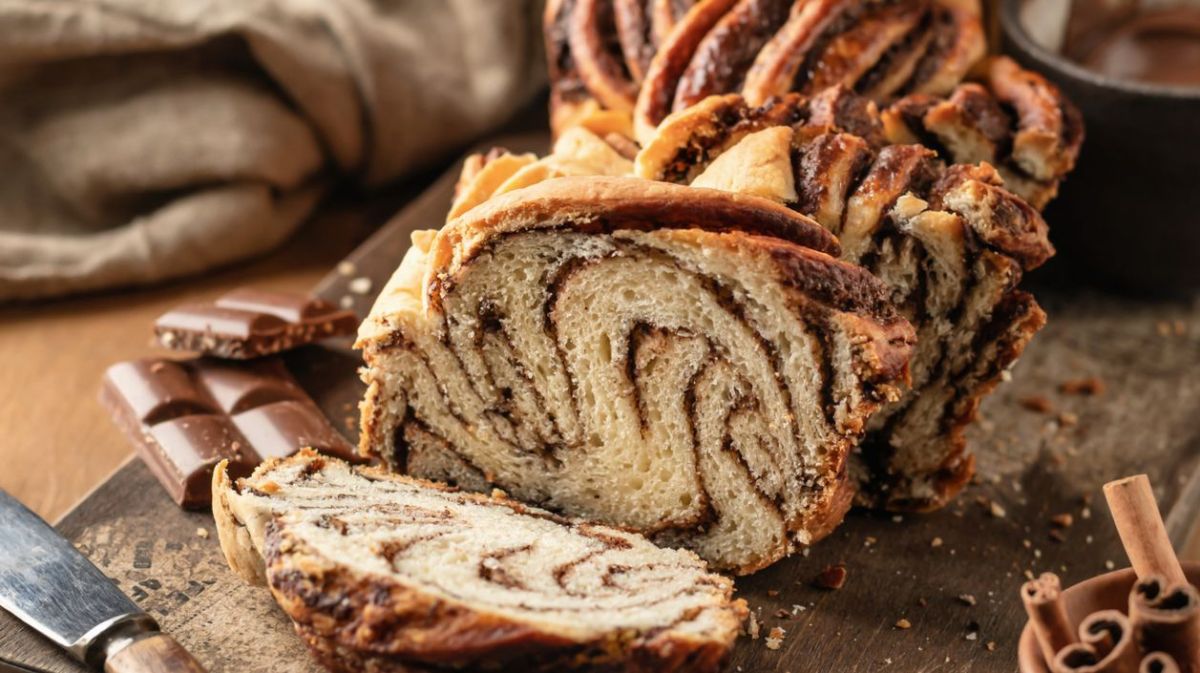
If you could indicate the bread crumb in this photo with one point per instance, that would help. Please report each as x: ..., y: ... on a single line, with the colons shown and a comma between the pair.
x: 991, y: 646
x: 903, y: 624
x: 1110, y: 565
x: 752, y: 627
x: 360, y: 285
x: 1067, y: 419
x: 1093, y: 385
x: 1064, y: 520
x: 1038, y: 403
x: 967, y: 599
x: 346, y: 268
x: 832, y: 577
x: 935, y: 542
x: 202, y: 532
x: 346, y: 301
x: 775, y: 638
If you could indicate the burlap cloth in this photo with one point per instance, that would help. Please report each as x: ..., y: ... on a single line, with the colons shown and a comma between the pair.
x: 147, y: 139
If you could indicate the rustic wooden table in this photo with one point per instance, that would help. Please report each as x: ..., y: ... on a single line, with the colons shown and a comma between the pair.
x: 952, y: 575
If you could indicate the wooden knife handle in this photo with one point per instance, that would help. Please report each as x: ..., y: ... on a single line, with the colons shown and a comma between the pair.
x: 158, y: 653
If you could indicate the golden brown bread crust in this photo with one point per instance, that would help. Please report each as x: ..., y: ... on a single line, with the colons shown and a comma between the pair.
x: 607, y: 204
x: 760, y: 48
x: 657, y: 93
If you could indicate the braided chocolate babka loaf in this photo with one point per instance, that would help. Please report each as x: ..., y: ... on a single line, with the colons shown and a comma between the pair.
x: 949, y: 243
x: 614, y: 55
x: 387, y: 573
x: 686, y: 362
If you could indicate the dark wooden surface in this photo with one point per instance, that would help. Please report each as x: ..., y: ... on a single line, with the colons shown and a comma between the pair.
x: 1032, y: 466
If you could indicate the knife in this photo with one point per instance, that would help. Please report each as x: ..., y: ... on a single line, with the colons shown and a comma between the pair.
x: 50, y: 586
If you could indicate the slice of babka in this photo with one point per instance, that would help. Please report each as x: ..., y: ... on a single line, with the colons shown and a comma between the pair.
x: 689, y: 363
x: 381, y: 572
x: 949, y: 243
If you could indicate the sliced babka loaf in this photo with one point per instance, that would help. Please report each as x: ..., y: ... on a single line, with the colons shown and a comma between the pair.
x: 614, y: 55
x: 385, y: 573
x: 686, y: 362
x: 949, y: 243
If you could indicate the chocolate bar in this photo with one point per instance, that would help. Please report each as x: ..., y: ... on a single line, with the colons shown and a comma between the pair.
x: 250, y: 323
x: 184, y: 417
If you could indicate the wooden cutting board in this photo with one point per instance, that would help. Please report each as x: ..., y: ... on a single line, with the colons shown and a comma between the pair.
x: 953, y: 575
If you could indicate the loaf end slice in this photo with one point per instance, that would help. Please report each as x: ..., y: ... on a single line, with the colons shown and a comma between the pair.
x: 382, y: 572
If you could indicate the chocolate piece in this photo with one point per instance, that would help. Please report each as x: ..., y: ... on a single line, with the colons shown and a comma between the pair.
x: 185, y: 416
x: 248, y: 323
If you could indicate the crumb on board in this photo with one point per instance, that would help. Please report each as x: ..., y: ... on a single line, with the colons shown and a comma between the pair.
x: 832, y: 577
x: 1093, y: 385
x: 935, y: 542
x: 903, y: 624
x: 360, y: 285
x: 202, y: 533
x: 1064, y: 520
x: 967, y: 599
x: 775, y: 637
x: 1039, y: 403
x: 346, y: 268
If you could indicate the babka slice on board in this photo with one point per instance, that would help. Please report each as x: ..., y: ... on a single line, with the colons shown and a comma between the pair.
x: 689, y: 363
x: 949, y: 243
x: 387, y: 573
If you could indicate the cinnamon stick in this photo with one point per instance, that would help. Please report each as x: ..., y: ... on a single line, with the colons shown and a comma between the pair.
x: 1167, y: 618
x: 1106, y: 646
x: 1043, y: 603
x: 1158, y: 662
x: 1140, y: 525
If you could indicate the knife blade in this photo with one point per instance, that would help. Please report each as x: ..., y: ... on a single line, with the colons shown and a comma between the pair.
x: 46, y: 583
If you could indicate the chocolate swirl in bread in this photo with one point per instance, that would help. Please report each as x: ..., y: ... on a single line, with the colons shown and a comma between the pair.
x: 613, y: 54
x: 382, y: 572
x: 950, y: 244
x: 686, y: 362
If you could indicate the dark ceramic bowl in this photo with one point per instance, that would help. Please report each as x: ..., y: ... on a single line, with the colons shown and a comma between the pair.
x: 1129, y: 215
x: 1109, y: 591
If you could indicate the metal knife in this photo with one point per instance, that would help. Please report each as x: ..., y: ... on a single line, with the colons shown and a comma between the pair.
x: 50, y: 586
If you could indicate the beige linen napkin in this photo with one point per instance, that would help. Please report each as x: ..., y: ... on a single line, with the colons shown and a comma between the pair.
x: 147, y: 139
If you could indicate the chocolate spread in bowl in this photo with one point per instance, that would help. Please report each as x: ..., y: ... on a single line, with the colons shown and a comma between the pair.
x: 1152, y: 46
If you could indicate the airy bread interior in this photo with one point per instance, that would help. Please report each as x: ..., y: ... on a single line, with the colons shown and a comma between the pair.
x: 587, y: 345
x: 411, y: 557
